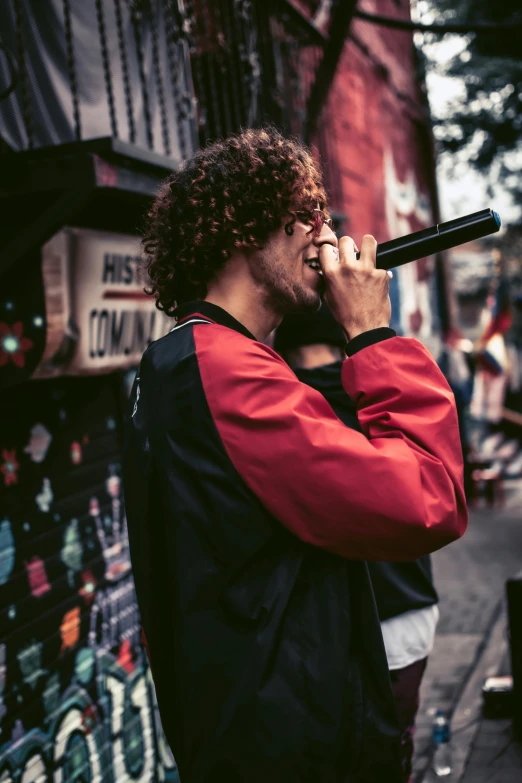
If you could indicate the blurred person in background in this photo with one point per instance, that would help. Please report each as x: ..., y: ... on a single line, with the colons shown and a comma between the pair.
x: 456, y: 364
x: 251, y: 507
x: 313, y: 345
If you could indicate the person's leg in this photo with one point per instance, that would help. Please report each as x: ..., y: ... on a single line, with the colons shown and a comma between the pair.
x: 406, y: 684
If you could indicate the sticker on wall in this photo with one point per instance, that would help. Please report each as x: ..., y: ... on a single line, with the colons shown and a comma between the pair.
x: 7, y: 551
x: 51, y: 694
x: 46, y: 497
x: 88, y: 723
x: 30, y: 663
x: 88, y: 588
x: 76, y: 453
x: 9, y: 467
x: 39, y: 442
x: 113, y: 484
x: 13, y: 344
x: 72, y: 550
x: 84, y: 665
x: 125, y: 657
x: 37, y: 576
x: 3, y: 672
x: 70, y: 629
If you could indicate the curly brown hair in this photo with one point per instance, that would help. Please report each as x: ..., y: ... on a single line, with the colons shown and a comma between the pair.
x: 230, y: 195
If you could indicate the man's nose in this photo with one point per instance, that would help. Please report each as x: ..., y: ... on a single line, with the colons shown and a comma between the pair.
x: 326, y: 237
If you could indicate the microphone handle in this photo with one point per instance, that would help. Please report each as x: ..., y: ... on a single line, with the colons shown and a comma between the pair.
x: 436, y: 238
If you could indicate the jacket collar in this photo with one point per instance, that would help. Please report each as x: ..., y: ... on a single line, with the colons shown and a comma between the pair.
x: 213, y: 313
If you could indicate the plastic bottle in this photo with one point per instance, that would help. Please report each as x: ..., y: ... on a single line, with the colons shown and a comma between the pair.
x: 441, y: 741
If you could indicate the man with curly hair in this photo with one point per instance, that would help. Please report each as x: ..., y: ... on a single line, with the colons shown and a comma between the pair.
x: 251, y: 507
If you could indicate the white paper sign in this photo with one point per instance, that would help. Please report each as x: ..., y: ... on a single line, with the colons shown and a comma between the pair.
x: 99, y: 303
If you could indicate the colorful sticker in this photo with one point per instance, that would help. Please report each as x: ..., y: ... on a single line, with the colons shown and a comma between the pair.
x: 37, y: 576
x: 39, y: 443
x: 3, y: 672
x: 51, y: 694
x: 30, y: 663
x: 70, y: 629
x: 46, y: 497
x: 7, y: 551
x: 13, y: 344
x: 76, y: 453
x: 125, y: 657
x: 88, y: 723
x: 9, y: 469
x: 72, y: 550
x: 113, y: 486
x: 88, y: 589
x: 84, y: 665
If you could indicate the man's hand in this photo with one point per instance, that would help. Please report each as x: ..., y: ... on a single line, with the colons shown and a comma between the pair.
x: 356, y: 292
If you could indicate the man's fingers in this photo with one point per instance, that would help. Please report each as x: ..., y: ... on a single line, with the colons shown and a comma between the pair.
x: 348, y: 256
x: 368, y: 255
x: 348, y: 249
x: 328, y: 258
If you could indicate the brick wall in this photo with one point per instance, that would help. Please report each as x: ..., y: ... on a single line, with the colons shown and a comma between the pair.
x: 381, y: 140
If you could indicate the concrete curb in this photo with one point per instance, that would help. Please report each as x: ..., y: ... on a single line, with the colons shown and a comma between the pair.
x: 468, y: 710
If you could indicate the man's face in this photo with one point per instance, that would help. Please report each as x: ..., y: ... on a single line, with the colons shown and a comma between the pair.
x: 282, y: 267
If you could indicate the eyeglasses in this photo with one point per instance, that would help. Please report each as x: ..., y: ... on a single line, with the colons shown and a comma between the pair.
x: 316, y: 218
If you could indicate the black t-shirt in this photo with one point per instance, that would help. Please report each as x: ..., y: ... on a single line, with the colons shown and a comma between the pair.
x: 398, y: 587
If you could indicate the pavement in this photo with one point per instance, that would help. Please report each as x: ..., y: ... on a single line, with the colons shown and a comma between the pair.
x: 471, y: 644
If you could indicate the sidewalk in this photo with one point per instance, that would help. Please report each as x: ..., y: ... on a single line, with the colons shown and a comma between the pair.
x: 471, y: 644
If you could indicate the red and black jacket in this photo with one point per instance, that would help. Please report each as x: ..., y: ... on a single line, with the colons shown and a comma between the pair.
x: 251, y: 509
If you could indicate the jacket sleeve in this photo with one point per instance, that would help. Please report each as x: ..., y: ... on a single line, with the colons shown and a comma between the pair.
x: 394, y: 493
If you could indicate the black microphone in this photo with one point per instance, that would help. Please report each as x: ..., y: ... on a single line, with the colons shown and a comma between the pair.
x: 432, y: 240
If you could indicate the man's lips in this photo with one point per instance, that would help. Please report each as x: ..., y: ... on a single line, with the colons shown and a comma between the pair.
x: 313, y: 263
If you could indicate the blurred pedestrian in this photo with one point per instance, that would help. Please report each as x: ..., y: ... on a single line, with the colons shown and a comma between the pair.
x: 251, y: 508
x: 456, y: 364
x: 313, y: 345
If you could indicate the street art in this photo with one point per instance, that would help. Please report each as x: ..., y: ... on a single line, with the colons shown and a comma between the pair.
x: 39, y: 443
x: 104, y: 733
x: 77, y: 699
x: 45, y: 497
x: 13, y: 344
x: 37, y: 576
x: 7, y: 551
x: 10, y: 466
x: 408, y: 209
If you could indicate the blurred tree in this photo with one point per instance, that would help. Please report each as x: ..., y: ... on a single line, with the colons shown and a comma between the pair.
x: 485, y: 126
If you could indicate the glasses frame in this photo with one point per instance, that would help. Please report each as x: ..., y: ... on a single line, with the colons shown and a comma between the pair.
x: 316, y: 218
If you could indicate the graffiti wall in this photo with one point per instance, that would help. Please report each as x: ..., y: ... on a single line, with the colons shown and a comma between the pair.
x: 77, y: 700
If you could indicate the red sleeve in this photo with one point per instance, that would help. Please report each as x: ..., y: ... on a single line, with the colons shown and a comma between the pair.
x: 395, y: 493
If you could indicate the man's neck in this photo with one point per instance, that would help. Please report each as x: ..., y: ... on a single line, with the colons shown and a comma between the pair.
x: 257, y: 320
x: 236, y: 292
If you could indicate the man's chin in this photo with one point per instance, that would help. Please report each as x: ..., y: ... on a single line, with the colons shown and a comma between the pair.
x: 309, y: 301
